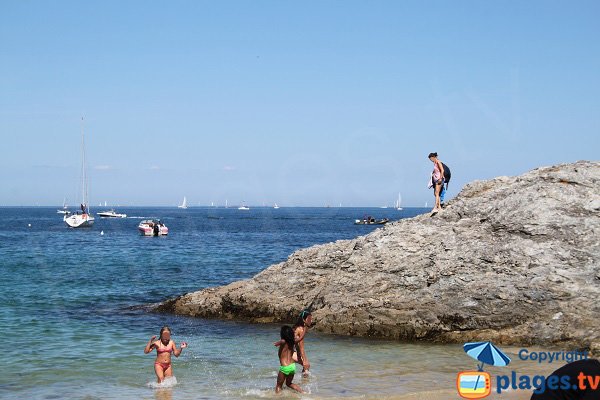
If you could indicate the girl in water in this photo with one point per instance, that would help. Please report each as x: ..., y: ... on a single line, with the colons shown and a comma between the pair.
x: 301, y: 327
x: 287, y: 360
x: 437, y: 178
x: 164, y: 347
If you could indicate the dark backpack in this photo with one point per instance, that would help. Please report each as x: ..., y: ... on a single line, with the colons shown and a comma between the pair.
x: 447, y: 174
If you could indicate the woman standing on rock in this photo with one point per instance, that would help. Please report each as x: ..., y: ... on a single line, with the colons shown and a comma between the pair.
x: 437, y: 179
x: 164, y: 347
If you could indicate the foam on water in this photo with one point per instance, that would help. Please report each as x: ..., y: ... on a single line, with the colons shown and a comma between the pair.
x: 168, y: 382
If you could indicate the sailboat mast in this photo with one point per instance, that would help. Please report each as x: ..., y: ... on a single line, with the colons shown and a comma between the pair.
x: 83, y: 177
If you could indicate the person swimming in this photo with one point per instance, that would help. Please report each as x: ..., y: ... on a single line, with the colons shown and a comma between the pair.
x: 287, y: 360
x: 164, y: 346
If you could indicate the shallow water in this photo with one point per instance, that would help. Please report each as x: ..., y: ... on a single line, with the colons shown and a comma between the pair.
x: 71, y: 305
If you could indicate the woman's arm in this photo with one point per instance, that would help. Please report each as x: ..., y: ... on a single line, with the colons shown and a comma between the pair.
x: 303, y: 357
x: 176, y: 351
x: 441, y: 167
x: 150, y: 345
x: 299, y: 334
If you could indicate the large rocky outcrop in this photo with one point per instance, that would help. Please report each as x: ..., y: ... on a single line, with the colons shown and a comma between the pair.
x: 513, y: 259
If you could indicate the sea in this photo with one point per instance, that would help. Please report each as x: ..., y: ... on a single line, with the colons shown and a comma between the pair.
x: 75, y: 315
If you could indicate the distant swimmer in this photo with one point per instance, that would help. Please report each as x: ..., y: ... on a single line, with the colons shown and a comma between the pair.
x: 164, y: 347
x: 287, y: 360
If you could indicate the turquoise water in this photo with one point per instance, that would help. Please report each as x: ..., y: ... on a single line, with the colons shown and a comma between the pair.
x: 72, y: 308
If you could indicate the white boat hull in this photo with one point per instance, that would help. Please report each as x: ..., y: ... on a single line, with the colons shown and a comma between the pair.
x: 150, y: 232
x: 111, y: 214
x: 148, y: 229
x: 79, y: 220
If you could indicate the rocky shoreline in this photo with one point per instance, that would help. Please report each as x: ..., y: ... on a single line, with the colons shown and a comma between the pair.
x: 515, y: 260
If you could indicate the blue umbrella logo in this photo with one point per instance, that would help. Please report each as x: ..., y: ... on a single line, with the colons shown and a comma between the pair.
x: 487, y: 353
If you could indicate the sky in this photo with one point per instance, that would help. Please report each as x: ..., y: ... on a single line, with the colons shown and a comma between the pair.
x: 306, y: 103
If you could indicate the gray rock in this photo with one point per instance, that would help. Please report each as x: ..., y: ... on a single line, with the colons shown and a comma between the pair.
x: 513, y: 259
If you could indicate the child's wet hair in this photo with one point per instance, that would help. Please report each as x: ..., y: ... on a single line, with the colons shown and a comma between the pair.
x: 287, y: 334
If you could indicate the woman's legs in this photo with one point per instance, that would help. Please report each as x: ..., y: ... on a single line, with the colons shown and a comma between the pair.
x: 160, y: 373
x: 438, y: 189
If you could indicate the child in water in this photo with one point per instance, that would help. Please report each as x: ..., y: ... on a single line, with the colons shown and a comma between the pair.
x: 287, y: 361
x: 164, y: 347
x: 300, y: 328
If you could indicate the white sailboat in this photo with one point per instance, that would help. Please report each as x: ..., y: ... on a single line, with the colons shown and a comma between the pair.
x: 65, y: 208
x: 184, y: 204
x: 276, y: 206
x: 83, y: 218
x: 243, y: 207
x: 398, y: 202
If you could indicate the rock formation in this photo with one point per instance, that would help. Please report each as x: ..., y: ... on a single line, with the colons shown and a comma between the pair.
x: 515, y: 260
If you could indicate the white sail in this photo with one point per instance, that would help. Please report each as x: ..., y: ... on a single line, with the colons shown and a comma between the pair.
x: 398, y: 202
x: 183, y: 204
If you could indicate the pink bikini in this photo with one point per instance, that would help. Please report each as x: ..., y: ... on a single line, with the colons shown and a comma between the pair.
x: 167, y: 349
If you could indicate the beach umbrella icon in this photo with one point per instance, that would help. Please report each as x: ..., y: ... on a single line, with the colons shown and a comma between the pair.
x: 486, y: 353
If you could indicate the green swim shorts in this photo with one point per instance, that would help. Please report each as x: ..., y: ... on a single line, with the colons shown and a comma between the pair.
x: 288, y: 369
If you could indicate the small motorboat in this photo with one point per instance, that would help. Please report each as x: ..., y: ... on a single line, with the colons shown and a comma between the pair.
x: 153, y: 227
x: 111, y: 214
x: 368, y: 220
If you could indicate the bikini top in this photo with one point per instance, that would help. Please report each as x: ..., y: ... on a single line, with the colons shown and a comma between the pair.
x: 166, y: 349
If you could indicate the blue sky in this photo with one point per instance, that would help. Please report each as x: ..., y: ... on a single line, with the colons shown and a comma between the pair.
x: 299, y: 103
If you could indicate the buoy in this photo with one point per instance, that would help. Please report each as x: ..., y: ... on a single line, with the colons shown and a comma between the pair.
x: 29, y: 225
x: 101, y: 232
